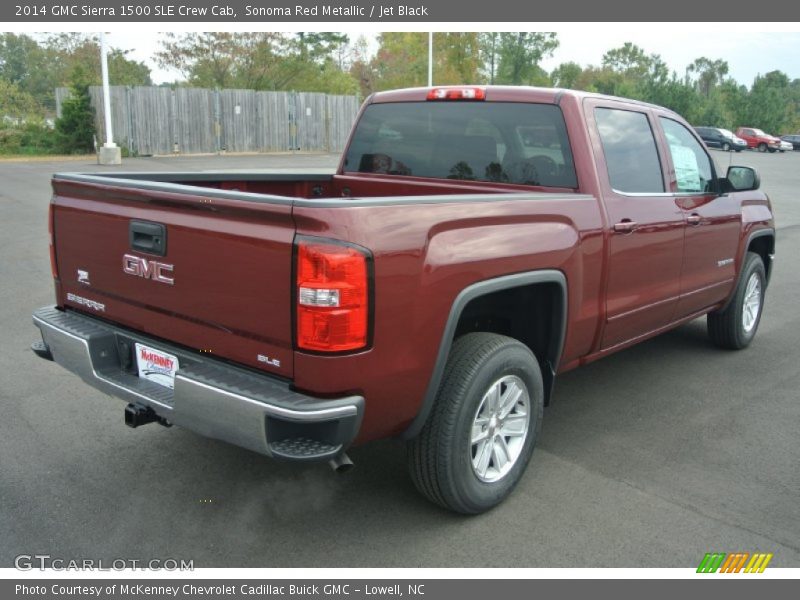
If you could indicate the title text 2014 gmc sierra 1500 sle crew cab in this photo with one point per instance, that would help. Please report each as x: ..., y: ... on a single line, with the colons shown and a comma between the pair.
x: 474, y: 242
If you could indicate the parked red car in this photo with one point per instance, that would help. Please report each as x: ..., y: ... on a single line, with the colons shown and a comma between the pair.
x: 758, y: 140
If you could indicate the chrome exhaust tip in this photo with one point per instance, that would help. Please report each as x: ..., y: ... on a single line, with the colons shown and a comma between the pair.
x: 341, y: 463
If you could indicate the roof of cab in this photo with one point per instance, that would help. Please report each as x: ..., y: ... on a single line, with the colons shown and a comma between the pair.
x: 503, y: 93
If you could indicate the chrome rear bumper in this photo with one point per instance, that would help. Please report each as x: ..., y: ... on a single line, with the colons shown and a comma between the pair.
x: 211, y: 397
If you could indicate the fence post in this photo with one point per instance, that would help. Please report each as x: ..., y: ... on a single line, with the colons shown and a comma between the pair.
x: 130, y: 141
x: 173, y: 122
x: 292, y: 106
x: 217, y: 117
x: 327, y: 123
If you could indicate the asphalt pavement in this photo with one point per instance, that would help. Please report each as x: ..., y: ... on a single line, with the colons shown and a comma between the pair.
x: 648, y: 458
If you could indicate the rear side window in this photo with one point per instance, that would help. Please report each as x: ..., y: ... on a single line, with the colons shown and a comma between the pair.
x: 630, y: 151
x: 502, y: 142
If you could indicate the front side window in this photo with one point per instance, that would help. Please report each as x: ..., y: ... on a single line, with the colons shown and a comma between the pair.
x: 502, y: 142
x: 693, y: 170
x: 630, y: 151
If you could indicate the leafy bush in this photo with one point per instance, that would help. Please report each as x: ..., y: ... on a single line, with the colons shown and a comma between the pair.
x: 27, y: 138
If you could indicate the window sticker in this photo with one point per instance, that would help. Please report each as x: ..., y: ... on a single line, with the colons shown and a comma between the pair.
x: 687, y: 170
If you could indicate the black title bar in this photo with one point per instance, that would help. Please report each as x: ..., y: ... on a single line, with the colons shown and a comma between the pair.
x: 413, y: 11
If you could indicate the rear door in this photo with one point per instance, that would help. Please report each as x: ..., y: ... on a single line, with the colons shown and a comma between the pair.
x: 644, y: 225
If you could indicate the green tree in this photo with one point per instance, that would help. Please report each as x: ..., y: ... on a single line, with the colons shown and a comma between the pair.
x: 19, y: 56
x: 320, y: 46
x: 75, y: 128
x: 16, y: 103
x: 457, y: 58
x: 600, y: 80
x: 38, y: 67
x: 32, y: 67
x: 259, y: 60
x: 401, y: 60
x: 519, y: 55
x: 205, y: 59
x: 768, y: 104
x: 566, y: 75
x: 629, y: 60
x: 77, y: 49
x: 710, y: 73
x: 793, y: 107
x: 361, y: 67
x: 489, y: 44
x: 314, y: 62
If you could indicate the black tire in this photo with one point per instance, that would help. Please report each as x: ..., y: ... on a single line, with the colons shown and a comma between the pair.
x: 762, y: 147
x: 738, y: 149
x: 441, y: 457
x: 726, y: 146
x: 726, y: 328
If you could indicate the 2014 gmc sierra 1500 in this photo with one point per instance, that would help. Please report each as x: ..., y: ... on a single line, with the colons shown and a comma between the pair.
x: 474, y: 242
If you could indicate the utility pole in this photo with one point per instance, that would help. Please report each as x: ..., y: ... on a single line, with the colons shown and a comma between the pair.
x: 110, y: 154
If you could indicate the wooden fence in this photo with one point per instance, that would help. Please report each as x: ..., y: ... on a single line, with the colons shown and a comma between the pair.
x: 157, y: 120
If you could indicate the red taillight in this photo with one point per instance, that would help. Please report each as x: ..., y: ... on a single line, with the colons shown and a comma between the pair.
x: 50, y: 229
x: 332, y: 297
x: 457, y: 93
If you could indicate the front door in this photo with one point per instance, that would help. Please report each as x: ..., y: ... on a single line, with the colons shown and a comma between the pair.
x: 713, y: 222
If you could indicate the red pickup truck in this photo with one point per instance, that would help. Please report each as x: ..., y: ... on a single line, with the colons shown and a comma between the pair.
x: 758, y: 140
x: 474, y: 242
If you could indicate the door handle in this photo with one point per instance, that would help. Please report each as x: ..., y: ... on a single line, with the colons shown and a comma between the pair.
x: 694, y: 219
x: 147, y: 237
x: 625, y: 226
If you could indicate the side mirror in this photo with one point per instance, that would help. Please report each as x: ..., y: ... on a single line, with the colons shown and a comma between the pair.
x: 742, y: 179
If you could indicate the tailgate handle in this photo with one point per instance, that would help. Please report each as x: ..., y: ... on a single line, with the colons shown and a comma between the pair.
x: 150, y: 238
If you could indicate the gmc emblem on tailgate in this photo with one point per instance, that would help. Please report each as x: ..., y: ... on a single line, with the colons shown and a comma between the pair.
x: 149, y: 269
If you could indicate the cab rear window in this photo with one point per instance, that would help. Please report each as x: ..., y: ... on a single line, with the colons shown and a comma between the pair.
x: 501, y: 142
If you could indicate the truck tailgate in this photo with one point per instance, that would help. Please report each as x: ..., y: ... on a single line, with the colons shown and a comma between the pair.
x: 221, y: 284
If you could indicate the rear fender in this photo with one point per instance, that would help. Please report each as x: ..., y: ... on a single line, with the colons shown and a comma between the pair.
x: 476, y: 290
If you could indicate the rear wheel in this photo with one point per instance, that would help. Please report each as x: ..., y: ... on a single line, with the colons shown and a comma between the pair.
x: 479, y: 438
x: 735, y: 327
x: 762, y: 147
x: 726, y: 146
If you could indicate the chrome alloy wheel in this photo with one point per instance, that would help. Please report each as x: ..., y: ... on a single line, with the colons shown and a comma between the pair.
x: 500, y: 428
x: 752, y: 303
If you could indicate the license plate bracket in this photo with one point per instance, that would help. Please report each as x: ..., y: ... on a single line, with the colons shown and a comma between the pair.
x: 156, y: 365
